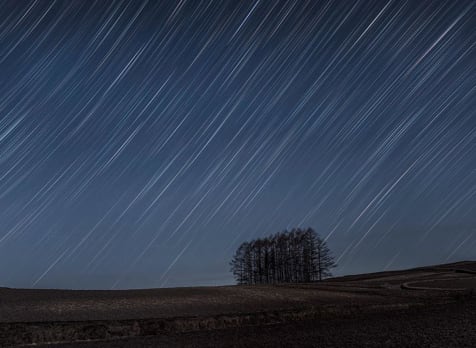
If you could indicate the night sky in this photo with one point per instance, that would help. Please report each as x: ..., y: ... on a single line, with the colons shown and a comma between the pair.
x: 142, y: 141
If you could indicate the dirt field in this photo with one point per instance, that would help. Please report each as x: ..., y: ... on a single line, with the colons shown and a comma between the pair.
x: 447, y: 326
x: 424, y: 307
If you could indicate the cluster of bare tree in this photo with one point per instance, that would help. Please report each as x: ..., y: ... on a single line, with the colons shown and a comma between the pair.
x: 299, y: 255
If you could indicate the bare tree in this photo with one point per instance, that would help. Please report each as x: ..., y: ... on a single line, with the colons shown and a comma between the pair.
x: 238, y: 265
x: 299, y: 255
x: 324, y: 259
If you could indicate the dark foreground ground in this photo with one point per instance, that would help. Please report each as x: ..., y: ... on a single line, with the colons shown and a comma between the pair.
x: 425, y: 307
x: 440, y: 327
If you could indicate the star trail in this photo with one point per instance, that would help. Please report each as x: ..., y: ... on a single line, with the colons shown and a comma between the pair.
x: 142, y: 141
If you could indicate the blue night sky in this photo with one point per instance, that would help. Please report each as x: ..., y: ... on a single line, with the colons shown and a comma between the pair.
x: 142, y: 141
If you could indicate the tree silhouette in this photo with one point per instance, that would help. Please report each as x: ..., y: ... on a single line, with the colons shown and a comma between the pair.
x: 290, y: 256
x: 323, y: 259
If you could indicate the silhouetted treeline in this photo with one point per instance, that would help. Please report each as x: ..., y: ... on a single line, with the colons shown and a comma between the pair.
x: 299, y: 255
